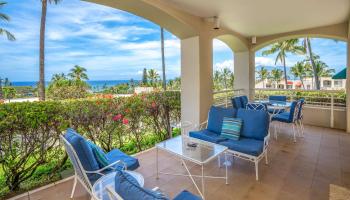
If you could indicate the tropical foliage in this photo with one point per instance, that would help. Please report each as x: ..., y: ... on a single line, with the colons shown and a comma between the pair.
x: 29, y: 132
x: 5, y: 18
x: 71, y: 87
x: 223, y: 79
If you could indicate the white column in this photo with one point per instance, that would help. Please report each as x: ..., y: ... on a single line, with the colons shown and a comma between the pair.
x: 196, y: 78
x: 244, y: 70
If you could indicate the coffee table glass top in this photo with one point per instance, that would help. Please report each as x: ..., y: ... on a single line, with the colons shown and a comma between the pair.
x: 192, y: 149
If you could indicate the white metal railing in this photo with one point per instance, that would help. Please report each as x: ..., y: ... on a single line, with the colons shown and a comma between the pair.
x: 331, y: 101
x: 223, y: 97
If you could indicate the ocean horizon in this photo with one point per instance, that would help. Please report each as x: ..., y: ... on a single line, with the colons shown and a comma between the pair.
x: 95, y: 84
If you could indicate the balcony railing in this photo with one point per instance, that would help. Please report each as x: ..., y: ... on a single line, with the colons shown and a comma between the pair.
x: 223, y: 97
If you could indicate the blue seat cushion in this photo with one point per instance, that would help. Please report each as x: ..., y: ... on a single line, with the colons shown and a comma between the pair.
x: 245, y: 145
x: 282, y: 117
x: 186, y: 195
x: 132, y: 163
x: 215, y: 117
x: 129, y: 189
x: 207, y: 135
x: 255, y: 123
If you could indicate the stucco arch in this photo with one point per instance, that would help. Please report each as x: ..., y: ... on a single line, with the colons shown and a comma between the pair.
x: 337, y: 31
x: 179, y: 23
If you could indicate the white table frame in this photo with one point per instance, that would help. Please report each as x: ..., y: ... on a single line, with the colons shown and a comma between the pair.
x: 191, y: 176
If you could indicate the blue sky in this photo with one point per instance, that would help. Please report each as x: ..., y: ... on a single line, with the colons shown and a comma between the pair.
x: 111, y: 44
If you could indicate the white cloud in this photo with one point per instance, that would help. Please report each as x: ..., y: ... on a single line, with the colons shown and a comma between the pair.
x: 264, y: 61
x: 225, y: 64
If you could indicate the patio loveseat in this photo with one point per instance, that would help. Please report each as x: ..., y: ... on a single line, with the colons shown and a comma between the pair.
x: 254, y: 134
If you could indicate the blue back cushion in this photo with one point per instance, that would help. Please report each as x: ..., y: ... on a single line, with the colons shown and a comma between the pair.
x: 129, y: 189
x: 83, y: 150
x: 216, y: 116
x: 255, y: 123
x: 236, y: 102
x: 244, y: 101
x: 292, y: 110
x: 277, y: 98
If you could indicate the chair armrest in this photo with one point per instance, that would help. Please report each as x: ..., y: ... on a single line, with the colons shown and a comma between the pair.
x: 112, y: 194
x: 201, y: 126
x: 110, y: 166
x: 156, y: 189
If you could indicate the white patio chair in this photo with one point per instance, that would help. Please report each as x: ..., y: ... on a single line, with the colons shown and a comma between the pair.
x: 81, y: 174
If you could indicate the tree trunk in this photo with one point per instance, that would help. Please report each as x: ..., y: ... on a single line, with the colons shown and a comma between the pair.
x: 163, y: 57
x: 1, y: 95
x: 285, y: 73
x: 309, y: 49
x: 42, y: 51
x: 302, y: 82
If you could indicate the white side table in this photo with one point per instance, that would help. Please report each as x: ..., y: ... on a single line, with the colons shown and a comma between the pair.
x: 99, y: 188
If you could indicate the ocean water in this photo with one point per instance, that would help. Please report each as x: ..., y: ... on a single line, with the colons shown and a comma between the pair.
x: 95, y: 85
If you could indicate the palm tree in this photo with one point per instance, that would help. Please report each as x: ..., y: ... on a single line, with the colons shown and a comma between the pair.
x: 42, y: 47
x: 276, y: 76
x: 311, y: 57
x: 217, y: 80
x: 226, y: 75
x: 5, y: 18
x: 153, y: 76
x: 58, y: 77
x: 282, y: 48
x: 263, y: 74
x: 163, y: 56
x: 322, y: 69
x: 78, y: 73
x: 300, y: 70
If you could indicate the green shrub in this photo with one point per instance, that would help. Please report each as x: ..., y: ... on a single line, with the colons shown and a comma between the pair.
x: 30, y: 153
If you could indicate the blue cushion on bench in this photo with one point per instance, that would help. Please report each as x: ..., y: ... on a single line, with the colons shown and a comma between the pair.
x: 207, y: 135
x: 132, y: 163
x: 216, y: 115
x: 236, y: 102
x: 129, y: 189
x: 245, y: 145
x: 186, y: 195
x: 244, y: 101
x: 255, y: 123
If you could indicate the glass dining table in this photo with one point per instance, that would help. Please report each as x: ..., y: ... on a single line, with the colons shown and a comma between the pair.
x: 275, y: 107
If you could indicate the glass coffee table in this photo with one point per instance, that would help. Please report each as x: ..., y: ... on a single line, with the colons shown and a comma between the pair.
x: 194, y: 150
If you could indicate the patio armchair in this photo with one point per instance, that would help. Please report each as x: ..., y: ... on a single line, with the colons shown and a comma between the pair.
x: 127, y: 188
x: 211, y: 129
x: 290, y: 117
x: 254, y: 138
x: 87, y: 168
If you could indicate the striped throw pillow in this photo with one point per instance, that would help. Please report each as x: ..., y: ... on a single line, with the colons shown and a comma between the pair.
x: 231, y: 128
x: 99, y: 155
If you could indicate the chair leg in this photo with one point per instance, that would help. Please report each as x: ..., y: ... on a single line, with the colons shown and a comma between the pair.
x: 266, y: 160
x: 219, y: 163
x: 301, y: 127
x: 74, y: 185
x: 256, y: 170
x: 294, y: 135
x: 275, y: 126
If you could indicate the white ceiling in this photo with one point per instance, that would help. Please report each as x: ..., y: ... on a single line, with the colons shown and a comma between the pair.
x: 266, y: 17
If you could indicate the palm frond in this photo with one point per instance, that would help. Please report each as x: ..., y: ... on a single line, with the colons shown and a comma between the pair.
x: 9, y: 35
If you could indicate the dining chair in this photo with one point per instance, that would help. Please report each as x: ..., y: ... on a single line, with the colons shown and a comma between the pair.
x: 290, y: 117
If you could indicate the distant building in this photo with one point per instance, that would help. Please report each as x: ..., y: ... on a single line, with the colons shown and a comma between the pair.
x: 327, y: 83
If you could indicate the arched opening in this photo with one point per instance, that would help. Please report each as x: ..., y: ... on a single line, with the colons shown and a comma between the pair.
x: 309, y: 68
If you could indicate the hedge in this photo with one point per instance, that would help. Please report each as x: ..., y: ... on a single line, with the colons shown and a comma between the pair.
x: 30, y: 150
